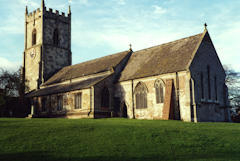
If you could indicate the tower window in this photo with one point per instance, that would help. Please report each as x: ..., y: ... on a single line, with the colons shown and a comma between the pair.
x: 55, y: 37
x: 141, y: 95
x: 34, y: 37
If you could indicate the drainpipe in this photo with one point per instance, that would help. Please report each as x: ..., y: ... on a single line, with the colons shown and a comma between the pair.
x: 133, y: 102
x: 91, y: 100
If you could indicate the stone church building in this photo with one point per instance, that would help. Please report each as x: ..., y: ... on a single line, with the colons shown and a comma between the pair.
x: 182, y: 80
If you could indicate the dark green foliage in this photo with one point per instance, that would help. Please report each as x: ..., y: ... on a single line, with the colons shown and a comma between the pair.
x: 12, y: 102
x: 116, y: 139
x: 10, y: 82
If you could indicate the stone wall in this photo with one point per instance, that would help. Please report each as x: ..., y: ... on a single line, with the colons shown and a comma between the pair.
x: 33, y: 21
x: 125, y: 91
x: 44, y: 59
x: 109, y: 83
x: 68, y: 110
x: 100, y: 112
x: 185, y: 96
x: 56, y: 56
x: 211, y: 108
x: 54, y: 59
x: 32, y: 66
x: 32, y: 53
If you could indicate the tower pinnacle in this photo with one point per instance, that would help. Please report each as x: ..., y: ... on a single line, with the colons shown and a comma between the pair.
x: 26, y: 12
x: 43, y: 5
x: 69, y: 9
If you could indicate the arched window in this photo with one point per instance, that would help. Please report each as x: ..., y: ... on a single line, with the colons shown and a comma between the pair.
x: 159, y: 88
x: 202, y: 86
x: 60, y: 103
x: 209, y: 82
x: 34, y: 37
x: 105, y: 98
x: 141, y: 95
x: 55, y: 37
x: 215, y: 87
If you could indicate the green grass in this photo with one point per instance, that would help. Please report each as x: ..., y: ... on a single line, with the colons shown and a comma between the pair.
x: 117, y: 139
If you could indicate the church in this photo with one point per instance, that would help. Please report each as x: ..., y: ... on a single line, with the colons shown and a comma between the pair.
x: 180, y: 80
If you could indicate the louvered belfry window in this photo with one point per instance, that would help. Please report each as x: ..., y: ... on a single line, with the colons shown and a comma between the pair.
x: 34, y: 37
x: 56, y: 37
x: 141, y: 95
x: 159, y: 88
x: 105, y: 98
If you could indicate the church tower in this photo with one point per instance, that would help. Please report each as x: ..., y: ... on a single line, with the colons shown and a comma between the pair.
x: 47, y: 45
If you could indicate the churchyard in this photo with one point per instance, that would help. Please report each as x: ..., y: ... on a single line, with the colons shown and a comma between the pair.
x: 117, y: 139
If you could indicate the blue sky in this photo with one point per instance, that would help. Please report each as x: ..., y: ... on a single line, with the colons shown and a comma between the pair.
x: 102, y: 27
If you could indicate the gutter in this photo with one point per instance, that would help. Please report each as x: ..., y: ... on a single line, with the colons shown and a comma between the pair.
x: 178, y: 94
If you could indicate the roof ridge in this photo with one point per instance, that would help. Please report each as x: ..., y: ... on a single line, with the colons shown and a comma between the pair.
x: 167, y: 43
x: 97, y: 58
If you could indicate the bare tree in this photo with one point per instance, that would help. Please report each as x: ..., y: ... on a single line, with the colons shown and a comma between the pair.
x: 233, y: 83
x: 10, y: 82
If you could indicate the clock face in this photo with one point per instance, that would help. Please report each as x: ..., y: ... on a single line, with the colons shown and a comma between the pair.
x: 33, y: 53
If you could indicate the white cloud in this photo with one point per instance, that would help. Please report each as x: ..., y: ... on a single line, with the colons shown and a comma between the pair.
x: 84, y: 2
x: 8, y: 65
x: 121, y: 2
x: 29, y: 3
x: 159, y: 10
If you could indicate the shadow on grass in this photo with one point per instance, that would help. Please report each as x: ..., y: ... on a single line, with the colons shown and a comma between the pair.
x: 48, y: 156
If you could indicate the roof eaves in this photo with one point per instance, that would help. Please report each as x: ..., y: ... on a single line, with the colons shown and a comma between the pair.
x: 151, y: 75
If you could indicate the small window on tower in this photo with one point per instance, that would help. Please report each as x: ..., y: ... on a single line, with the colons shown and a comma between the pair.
x: 34, y: 37
x: 55, y: 37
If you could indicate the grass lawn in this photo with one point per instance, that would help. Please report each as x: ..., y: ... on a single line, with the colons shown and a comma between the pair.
x: 117, y: 139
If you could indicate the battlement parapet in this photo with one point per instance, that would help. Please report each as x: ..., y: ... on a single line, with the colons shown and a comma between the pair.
x: 36, y: 12
x: 51, y: 11
x: 48, y: 12
x: 33, y: 15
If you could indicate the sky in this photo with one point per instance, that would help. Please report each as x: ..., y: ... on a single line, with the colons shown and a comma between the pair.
x: 103, y: 27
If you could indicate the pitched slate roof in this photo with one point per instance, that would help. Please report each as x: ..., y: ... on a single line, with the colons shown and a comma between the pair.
x: 166, y: 58
x: 86, y: 68
x: 62, y: 88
